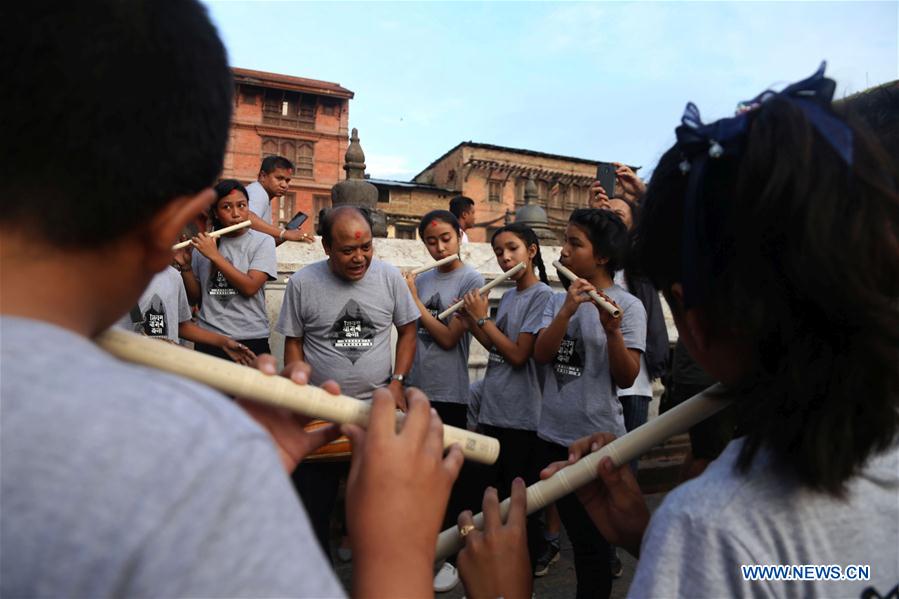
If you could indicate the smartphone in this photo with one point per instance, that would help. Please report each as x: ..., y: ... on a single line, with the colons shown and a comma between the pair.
x: 297, y: 221
x: 605, y: 174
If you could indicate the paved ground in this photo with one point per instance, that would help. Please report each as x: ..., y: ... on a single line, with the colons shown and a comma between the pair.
x: 560, y: 583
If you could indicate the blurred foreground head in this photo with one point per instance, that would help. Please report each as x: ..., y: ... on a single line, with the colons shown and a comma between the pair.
x: 111, y: 109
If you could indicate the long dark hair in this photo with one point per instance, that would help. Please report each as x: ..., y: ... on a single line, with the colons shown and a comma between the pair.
x: 804, y: 271
x: 527, y: 235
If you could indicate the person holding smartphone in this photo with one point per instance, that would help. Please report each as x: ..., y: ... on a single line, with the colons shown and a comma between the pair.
x: 273, y: 180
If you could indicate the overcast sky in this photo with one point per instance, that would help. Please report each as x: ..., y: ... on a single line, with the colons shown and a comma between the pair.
x: 604, y: 80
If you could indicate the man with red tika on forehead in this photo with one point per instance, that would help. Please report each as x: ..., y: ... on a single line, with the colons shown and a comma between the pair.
x: 336, y: 316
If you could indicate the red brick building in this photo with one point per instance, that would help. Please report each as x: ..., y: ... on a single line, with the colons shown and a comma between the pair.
x: 304, y: 120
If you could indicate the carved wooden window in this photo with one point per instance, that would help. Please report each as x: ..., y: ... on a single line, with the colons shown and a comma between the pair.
x: 288, y: 109
x: 304, y: 162
x: 495, y: 191
x: 404, y: 231
x: 330, y: 106
x: 301, y: 153
x: 248, y: 95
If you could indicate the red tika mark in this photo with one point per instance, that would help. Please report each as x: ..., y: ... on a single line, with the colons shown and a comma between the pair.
x: 358, y: 234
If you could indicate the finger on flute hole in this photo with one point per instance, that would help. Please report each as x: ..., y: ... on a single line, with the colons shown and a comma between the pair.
x: 331, y: 387
x: 265, y: 363
x: 300, y: 377
x: 607, y: 465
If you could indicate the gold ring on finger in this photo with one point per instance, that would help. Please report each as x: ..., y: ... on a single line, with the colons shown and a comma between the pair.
x: 464, y: 530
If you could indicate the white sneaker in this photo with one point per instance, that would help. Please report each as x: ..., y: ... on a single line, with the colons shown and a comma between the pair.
x: 447, y: 578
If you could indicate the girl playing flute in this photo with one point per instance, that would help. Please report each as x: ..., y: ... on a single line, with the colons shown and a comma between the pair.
x: 510, y: 404
x: 227, y: 277
x: 440, y: 368
x: 588, y: 354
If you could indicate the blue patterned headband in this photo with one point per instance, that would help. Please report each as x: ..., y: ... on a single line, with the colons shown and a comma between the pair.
x: 699, y: 143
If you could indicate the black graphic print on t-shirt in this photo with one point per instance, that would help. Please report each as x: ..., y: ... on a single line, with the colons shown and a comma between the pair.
x: 154, y: 322
x: 353, y: 333
x: 434, y: 307
x: 495, y: 357
x: 569, y: 361
x: 219, y: 286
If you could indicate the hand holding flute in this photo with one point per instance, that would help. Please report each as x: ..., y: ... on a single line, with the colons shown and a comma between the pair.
x: 215, y: 234
x: 486, y: 288
x: 621, y: 451
x: 600, y: 301
x: 248, y: 383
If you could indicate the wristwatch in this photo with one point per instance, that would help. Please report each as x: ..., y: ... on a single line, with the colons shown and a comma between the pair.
x: 481, y: 321
x: 398, y: 377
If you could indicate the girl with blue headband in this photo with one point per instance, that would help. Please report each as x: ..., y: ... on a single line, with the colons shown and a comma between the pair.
x: 773, y: 236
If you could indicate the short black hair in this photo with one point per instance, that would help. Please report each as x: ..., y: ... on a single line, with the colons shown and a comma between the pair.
x: 460, y: 204
x: 804, y: 273
x: 443, y: 216
x: 97, y: 91
x: 327, y: 216
x: 222, y: 189
x: 607, y: 234
x: 270, y: 163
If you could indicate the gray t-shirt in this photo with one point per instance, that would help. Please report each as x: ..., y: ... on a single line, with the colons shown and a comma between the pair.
x: 443, y: 374
x: 511, y: 396
x: 119, y: 480
x: 706, y: 529
x: 346, y: 325
x: 222, y: 308
x: 259, y: 202
x: 579, y: 396
x: 162, y: 306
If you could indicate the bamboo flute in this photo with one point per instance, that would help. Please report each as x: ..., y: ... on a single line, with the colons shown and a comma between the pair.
x: 509, y: 273
x: 216, y: 233
x: 433, y: 265
x: 621, y: 451
x: 252, y: 384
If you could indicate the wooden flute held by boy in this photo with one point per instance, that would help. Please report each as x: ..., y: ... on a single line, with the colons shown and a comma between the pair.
x: 216, y: 233
x: 621, y: 451
x: 249, y: 383
x: 486, y: 288
x: 433, y: 265
x: 600, y: 300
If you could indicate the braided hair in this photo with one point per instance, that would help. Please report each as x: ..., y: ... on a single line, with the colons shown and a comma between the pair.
x: 527, y: 235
